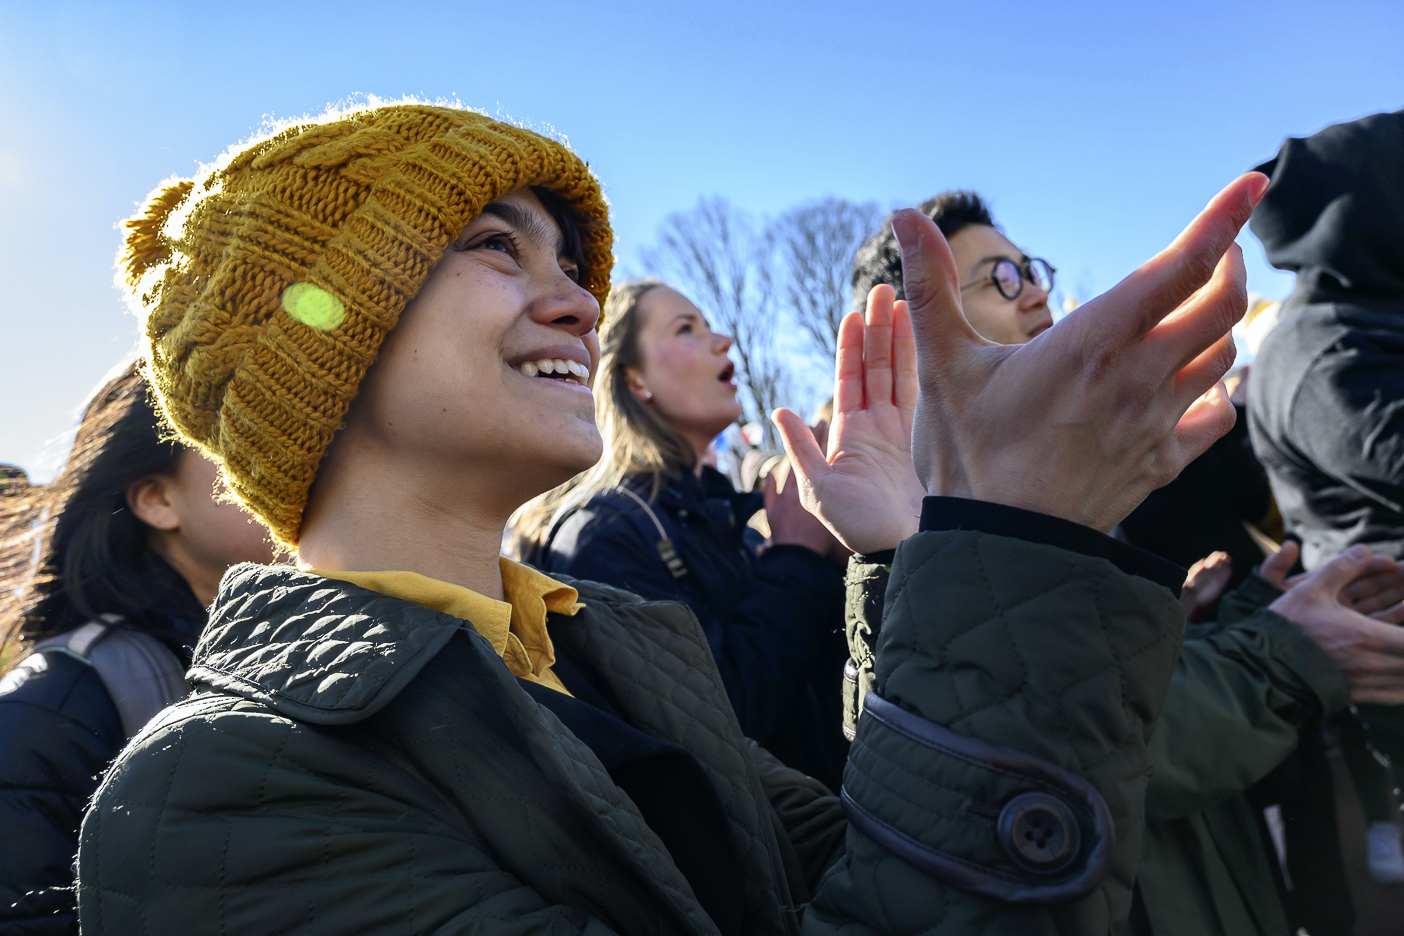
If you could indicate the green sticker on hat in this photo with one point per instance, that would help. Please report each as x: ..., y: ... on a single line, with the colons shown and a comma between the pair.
x: 313, y: 306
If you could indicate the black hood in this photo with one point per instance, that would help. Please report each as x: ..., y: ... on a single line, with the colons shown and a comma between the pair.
x: 1334, y: 213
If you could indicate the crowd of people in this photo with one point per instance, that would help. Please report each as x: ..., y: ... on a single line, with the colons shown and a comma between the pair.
x: 394, y: 587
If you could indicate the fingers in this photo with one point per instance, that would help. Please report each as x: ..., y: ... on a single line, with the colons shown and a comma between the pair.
x: 1276, y: 566
x: 931, y: 283
x: 1205, y: 319
x: 1339, y: 572
x: 806, y: 458
x: 1204, y: 423
x: 1394, y: 615
x: 1198, y: 376
x: 877, y: 346
x: 1165, y: 281
x: 904, y: 361
x: 848, y: 363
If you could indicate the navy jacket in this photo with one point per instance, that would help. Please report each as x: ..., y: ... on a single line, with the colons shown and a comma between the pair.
x: 774, y: 623
x: 59, y: 729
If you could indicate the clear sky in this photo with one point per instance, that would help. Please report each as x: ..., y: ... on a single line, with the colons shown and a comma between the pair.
x: 1096, y: 129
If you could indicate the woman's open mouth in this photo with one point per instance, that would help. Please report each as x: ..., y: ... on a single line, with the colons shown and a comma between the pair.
x: 728, y: 372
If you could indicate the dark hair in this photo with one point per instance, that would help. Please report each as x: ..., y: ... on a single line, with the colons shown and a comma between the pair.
x: 571, y: 223
x: 72, y: 550
x: 879, y: 260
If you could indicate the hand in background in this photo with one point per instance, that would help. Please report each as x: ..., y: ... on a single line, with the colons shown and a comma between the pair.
x: 1204, y: 585
x: 864, y: 487
x: 790, y: 523
x: 1376, y: 590
x: 1089, y: 417
x: 1369, y: 653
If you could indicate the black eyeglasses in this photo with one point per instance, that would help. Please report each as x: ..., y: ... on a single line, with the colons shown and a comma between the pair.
x: 1009, y: 276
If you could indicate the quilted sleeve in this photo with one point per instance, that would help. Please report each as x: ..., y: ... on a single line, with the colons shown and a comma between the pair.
x: 1001, y: 757
x: 1236, y: 700
x: 235, y: 820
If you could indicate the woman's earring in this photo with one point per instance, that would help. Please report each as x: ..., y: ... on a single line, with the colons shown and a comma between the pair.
x: 648, y: 395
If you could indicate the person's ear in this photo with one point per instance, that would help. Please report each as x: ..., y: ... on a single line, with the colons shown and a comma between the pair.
x: 636, y: 385
x: 150, y: 500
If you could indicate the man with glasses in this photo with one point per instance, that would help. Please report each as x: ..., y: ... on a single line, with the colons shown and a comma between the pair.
x: 1242, y: 687
x: 1003, y: 291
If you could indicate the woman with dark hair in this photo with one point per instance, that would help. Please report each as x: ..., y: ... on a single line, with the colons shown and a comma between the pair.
x: 773, y: 620
x: 129, y: 541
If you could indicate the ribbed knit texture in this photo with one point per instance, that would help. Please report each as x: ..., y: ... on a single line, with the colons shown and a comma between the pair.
x: 359, y: 207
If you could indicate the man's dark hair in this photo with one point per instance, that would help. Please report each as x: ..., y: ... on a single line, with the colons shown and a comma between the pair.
x: 879, y: 260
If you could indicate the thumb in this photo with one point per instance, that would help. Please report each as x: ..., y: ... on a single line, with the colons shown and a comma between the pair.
x: 806, y: 458
x: 1276, y: 566
x: 1340, y: 571
x: 932, y: 287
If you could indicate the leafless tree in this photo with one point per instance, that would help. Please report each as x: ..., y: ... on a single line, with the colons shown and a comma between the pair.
x: 816, y: 244
x: 720, y: 260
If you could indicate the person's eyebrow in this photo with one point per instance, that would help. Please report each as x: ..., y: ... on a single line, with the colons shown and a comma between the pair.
x: 995, y: 258
x: 529, y: 224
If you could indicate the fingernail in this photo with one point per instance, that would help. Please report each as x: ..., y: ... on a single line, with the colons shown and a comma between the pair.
x: 1358, y: 553
x: 904, y: 230
x: 1259, y: 187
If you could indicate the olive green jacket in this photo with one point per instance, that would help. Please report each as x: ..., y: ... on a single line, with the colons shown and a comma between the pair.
x: 352, y: 763
x: 1243, y: 687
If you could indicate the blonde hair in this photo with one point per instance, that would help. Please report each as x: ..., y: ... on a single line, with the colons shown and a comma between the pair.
x: 637, y: 440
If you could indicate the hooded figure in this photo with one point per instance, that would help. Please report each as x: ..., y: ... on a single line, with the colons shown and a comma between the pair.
x: 1326, y: 406
x: 1326, y: 401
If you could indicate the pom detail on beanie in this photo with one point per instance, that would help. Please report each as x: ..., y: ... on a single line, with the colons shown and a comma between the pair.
x: 268, y: 282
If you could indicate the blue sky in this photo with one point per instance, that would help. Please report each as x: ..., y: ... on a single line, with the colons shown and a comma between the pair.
x: 1096, y: 129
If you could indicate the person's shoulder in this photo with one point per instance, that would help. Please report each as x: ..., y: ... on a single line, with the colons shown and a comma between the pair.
x: 46, y: 691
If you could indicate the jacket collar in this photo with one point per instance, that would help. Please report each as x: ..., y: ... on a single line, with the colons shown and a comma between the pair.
x: 312, y: 648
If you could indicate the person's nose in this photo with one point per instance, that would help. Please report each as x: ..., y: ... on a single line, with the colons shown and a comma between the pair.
x: 1032, y: 297
x: 721, y: 343
x: 568, y: 306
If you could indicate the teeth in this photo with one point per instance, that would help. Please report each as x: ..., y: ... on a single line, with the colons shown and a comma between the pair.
x: 575, y: 369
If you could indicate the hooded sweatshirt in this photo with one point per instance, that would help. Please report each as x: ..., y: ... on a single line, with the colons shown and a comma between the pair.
x: 1326, y: 399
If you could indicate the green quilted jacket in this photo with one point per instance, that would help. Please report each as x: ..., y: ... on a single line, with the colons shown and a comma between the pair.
x: 352, y: 763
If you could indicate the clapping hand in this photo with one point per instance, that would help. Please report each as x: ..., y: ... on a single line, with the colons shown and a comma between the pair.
x: 864, y: 487
x: 1081, y: 423
x: 1368, y: 651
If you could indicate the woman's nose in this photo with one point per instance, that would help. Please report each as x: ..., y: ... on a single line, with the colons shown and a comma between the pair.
x: 721, y: 343
x: 572, y: 307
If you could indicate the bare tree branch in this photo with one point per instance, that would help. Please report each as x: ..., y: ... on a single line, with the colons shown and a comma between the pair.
x: 816, y: 244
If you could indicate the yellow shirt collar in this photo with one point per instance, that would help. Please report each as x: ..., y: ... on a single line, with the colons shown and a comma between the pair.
x: 516, y: 628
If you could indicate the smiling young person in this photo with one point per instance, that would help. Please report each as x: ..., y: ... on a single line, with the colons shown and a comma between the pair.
x: 408, y: 734
x: 774, y: 621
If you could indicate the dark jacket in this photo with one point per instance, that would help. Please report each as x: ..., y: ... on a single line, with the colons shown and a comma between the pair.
x: 1242, y: 689
x: 58, y: 731
x: 353, y: 763
x: 774, y: 623
x: 1326, y: 397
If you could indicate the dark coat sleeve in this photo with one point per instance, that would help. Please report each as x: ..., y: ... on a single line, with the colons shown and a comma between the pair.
x: 767, y: 647
x: 58, y: 731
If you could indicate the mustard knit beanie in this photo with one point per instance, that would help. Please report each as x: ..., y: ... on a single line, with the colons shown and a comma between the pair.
x: 268, y: 282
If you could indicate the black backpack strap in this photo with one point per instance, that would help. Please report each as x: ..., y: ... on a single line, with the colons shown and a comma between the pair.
x: 666, y: 551
x: 140, y: 673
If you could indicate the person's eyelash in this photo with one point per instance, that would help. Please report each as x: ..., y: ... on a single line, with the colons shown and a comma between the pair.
x: 486, y: 238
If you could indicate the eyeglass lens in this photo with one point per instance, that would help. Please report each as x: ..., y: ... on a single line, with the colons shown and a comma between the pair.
x: 1009, y: 278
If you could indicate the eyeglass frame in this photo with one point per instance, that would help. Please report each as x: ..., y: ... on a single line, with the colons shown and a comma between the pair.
x: 1025, y: 274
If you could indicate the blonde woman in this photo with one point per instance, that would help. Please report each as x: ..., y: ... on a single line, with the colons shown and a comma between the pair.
x: 652, y: 518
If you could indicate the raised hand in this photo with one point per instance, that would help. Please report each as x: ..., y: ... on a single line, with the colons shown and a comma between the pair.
x: 1204, y: 586
x: 1369, y: 653
x: 864, y: 488
x: 1089, y: 417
